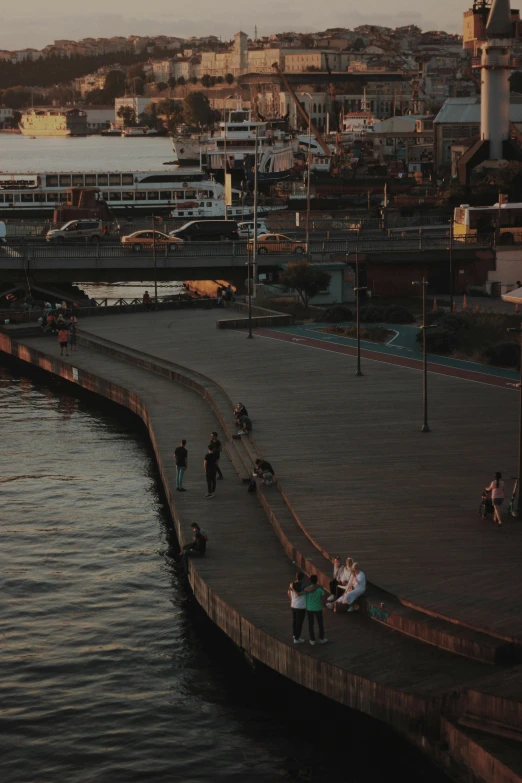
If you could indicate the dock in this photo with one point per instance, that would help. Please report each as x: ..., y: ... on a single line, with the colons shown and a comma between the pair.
x: 435, y: 651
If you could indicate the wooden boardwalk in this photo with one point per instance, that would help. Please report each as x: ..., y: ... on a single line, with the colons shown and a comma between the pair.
x: 363, y: 479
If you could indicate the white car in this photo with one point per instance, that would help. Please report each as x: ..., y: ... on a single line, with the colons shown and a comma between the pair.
x: 246, y: 229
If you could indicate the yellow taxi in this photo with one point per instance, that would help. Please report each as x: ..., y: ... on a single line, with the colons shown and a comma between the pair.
x: 144, y: 240
x: 277, y: 243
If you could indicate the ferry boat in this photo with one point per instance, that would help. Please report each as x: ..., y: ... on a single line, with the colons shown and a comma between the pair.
x: 138, y: 132
x: 356, y: 125
x: 53, y: 122
x: 188, y: 147
x: 181, y: 194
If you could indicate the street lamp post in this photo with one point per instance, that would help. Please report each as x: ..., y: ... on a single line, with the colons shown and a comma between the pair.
x: 251, y: 278
x: 518, y: 330
x: 424, y: 328
x: 155, y: 265
x: 357, y: 289
x: 309, y: 167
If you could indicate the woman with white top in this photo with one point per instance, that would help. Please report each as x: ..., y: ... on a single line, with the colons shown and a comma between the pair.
x: 497, y: 495
x: 356, y: 588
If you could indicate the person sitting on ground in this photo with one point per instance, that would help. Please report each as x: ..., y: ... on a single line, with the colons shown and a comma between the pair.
x: 196, y: 548
x: 356, y: 588
x: 239, y: 411
x: 345, y: 580
x: 245, y: 425
x: 203, y: 532
x: 264, y: 471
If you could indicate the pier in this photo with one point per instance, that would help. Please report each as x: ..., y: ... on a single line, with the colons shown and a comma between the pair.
x: 435, y: 651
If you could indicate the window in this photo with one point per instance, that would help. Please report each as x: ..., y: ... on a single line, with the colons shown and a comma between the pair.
x: 114, y: 179
x: 65, y: 180
x: 153, y: 195
x: 51, y: 180
x: 39, y: 197
x: 127, y: 195
x: 114, y: 196
x: 127, y: 179
x: 90, y: 180
x: 53, y: 197
x: 77, y: 180
x: 103, y: 179
x: 140, y: 195
x: 166, y: 195
x: 1, y: 198
x: 9, y: 198
x: 27, y: 198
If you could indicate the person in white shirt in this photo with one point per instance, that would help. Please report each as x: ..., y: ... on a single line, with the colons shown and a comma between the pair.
x: 356, y: 588
x: 298, y: 604
x: 497, y: 495
x: 336, y: 576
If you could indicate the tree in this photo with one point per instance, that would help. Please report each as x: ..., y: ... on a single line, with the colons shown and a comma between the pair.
x: 205, y: 80
x: 136, y: 71
x: 229, y: 78
x: 306, y: 279
x: 172, y: 82
x: 197, y: 109
x: 114, y: 85
x: 194, y: 79
x: 181, y: 81
x: 162, y: 86
x: 127, y: 114
x: 358, y: 45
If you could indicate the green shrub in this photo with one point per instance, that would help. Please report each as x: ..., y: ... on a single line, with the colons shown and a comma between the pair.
x: 396, y: 314
x: 337, y: 313
x: 504, y: 354
x: 439, y: 340
x: 453, y: 322
x: 371, y: 314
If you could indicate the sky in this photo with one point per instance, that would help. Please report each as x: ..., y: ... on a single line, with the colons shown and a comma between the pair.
x: 36, y: 23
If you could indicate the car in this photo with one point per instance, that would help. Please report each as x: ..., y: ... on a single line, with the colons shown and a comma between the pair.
x: 207, y: 231
x: 277, y: 243
x: 246, y: 229
x: 91, y: 230
x: 144, y: 240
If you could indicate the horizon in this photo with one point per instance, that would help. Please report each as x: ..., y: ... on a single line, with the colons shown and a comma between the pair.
x: 30, y: 28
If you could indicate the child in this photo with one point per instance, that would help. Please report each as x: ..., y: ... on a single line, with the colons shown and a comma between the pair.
x: 72, y: 337
x: 63, y: 337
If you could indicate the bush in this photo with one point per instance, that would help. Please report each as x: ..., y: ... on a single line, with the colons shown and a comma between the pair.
x: 439, y: 340
x: 453, y: 322
x: 503, y: 354
x: 396, y: 314
x: 337, y: 313
x: 371, y: 314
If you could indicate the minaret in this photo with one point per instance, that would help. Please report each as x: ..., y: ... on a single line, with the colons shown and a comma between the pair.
x: 495, y: 64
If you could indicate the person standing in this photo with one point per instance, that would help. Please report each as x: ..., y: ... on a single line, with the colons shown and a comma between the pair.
x: 146, y: 301
x: 314, y: 609
x: 497, y: 495
x: 215, y: 445
x: 72, y: 337
x: 209, y: 464
x: 181, y: 457
x: 63, y: 338
x: 298, y: 604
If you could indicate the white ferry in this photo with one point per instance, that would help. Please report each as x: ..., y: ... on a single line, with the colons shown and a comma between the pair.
x: 53, y: 122
x: 356, y: 125
x: 138, y: 132
x: 185, y: 194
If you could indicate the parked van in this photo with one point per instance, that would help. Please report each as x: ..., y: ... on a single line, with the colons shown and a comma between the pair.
x: 77, y: 229
x: 207, y: 231
x: 246, y: 229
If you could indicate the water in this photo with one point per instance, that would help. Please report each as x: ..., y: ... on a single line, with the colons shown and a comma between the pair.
x: 87, y: 153
x: 109, y: 671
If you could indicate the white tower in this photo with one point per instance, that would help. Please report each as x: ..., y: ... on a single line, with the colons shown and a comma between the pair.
x: 495, y: 64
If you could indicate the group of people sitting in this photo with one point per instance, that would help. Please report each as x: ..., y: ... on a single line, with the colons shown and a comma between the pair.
x: 56, y: 316
x: 243, y: 421
x: 347, y: 585
x: 225, y: 294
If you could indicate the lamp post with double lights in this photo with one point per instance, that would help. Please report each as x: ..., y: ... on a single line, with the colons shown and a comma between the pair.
x: 309, y: 167
x: 518, y: 330
x: 357, y: 289
x: 424, y: 328
x: 225, y: 166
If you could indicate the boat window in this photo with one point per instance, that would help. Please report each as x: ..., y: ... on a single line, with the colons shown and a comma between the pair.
x: 191, y: 194
x: 53, y: 197
x: 39, y: 197
x: 140, y: 195
x: 27, y: 198
x: 181, y: 214
x: 103, y: 179
x: 153, y: 195
x: 209, y: 203
x: 127, y: 195
x: 9, y: 198
x: 114, y: 196
x: 90, y: 179
x: 1, y: 198
x: 51, y: 180
x: 166, y: 195
x: 77, y: 179
x: 127, y: 179
x: 114, y: 179
x: 105, y: 196
x: 65, y: 180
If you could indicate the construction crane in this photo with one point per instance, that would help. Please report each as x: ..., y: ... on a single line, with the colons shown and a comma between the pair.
x: 320, y: 140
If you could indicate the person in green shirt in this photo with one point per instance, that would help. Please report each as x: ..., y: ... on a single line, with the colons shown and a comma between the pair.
x: 315, y: 598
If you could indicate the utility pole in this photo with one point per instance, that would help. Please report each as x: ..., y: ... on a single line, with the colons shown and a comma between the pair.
x: 155, y: 266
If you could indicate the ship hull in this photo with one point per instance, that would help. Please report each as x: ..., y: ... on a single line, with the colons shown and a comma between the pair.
x: 42, y: 132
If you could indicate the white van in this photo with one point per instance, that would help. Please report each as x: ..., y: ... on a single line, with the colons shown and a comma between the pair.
x: 246, y: 229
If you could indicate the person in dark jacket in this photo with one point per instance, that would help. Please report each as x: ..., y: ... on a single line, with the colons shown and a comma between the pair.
x: 265, y: 471
x: 196, y: 548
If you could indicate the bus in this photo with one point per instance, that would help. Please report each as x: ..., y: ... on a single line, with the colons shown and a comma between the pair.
x: 501, y: 220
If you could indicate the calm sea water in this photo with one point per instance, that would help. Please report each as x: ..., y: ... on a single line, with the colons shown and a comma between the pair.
x: 89, y: 153
x: 109, y: 671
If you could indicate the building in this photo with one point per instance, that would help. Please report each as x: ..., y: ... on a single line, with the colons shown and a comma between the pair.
x: 6, y: 117
x: 408, y: 138
x: 99, y: 117
x: 136, y: 102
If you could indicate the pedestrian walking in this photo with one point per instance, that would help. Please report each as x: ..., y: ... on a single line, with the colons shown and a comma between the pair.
x: 209, y: 464
x: 497, y: 495
x: 314, y: 609
x: 215, y: 445
x: 72, y: 337
x: 181, y: 458
x: 63, y: 338
x: 298, y: 604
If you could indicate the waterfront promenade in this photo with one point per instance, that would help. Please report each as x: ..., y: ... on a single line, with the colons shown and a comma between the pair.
x: 363, y: 481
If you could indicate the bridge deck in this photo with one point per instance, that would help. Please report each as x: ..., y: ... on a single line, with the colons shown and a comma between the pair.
x: 362, y: 477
